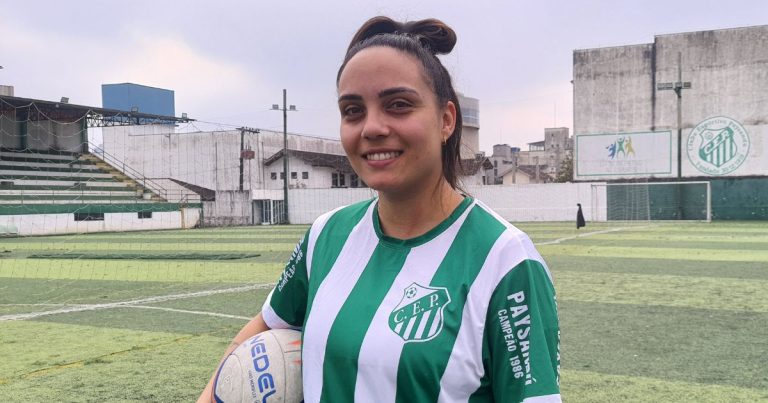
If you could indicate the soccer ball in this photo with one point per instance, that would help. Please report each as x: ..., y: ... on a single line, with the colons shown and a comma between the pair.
x: 266, y: 368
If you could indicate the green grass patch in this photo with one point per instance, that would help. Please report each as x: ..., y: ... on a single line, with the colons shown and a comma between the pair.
x: 697, y: 268
x: 705, y: 346
x: 145, y: 256
x: 135, y: 366
x: 758, y: 254
x: 140, y: 270
x: 664, y: 290
x: 586, y: 386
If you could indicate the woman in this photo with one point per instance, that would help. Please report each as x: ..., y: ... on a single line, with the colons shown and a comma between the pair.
x: 422, y: 294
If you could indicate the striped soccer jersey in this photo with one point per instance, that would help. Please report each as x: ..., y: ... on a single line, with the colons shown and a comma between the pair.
x: 463, y: 313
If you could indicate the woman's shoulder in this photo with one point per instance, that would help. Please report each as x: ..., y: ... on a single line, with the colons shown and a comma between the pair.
x: 346, y: 216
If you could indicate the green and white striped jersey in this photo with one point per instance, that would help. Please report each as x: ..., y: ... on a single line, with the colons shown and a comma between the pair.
x: 463, y: 313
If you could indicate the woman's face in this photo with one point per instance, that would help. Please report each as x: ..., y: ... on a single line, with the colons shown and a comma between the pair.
x: 392, y: 128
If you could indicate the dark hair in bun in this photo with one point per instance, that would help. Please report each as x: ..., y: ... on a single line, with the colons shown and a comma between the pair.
x: 424, y: 40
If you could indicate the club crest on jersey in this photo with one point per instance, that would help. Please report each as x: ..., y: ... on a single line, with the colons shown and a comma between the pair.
x: 419, y: 315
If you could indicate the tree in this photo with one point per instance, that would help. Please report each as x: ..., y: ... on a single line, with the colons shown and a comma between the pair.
x: 565, y: 170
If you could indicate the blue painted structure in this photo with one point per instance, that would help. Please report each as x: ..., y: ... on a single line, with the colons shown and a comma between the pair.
x: 126, y: 96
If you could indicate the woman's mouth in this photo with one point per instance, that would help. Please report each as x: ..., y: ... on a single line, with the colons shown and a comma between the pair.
x: 381, y: 156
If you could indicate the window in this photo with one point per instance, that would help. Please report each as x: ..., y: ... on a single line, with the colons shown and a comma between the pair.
x: 305, y: 175
x: 282, y: 175
x: 273, y: 175
x: 89, y: 216
x: 294, y: 175
x: 353, y: 181
x: 337, y: 180
x: 145, y: 214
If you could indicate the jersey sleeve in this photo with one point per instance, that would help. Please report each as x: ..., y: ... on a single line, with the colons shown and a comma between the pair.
x: 286, y: 305
x: 523, y: 337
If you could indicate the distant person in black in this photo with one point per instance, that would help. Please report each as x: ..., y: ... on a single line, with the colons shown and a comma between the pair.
x: 580, y: 218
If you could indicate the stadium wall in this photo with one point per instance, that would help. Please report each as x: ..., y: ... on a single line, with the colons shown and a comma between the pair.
x: 56, y: 224
x: 538, y: 202
x: 531, y: 202
x: 740, y: 199
x: 230, y: 208
x: 305, y: 205
x: 724, y: 112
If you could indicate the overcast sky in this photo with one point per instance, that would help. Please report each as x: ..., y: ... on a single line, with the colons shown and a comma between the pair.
x: 228, y: 61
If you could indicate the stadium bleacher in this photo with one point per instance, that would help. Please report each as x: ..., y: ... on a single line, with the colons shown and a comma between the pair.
x: 35, y: 182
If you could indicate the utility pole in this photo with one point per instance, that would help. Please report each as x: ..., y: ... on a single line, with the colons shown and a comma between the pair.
x: 285, y: 110
x: 243, y: 155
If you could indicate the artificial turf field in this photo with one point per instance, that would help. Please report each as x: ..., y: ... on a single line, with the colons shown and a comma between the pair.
x: 650, y: 312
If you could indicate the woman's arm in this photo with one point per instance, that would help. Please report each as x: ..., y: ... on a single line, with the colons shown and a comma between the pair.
x: 252, y: 328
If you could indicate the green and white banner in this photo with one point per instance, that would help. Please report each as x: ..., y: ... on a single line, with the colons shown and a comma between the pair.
x: 718, y: 146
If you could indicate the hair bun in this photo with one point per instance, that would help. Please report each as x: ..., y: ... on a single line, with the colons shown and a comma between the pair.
x: 432, y: 33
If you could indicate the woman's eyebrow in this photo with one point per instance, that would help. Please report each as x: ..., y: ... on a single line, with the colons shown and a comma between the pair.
x: 396, y: 90
x: 382, y: 94
x: 350, y: 97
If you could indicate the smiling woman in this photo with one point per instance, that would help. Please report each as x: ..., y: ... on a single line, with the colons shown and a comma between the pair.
x: 422, y: 294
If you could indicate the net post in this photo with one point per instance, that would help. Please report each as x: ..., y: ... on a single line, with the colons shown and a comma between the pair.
x: 709, y: 201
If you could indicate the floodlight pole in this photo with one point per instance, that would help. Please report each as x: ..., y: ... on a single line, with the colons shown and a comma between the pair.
x: 678, y: 87
x: 285, y: 158
x: 285, y: 110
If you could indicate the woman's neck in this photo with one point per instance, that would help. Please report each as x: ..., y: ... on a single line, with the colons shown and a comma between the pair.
x: 414, y: 215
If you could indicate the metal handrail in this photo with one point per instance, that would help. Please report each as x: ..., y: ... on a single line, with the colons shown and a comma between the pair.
x: 130, y: 172
x: 41, y: 195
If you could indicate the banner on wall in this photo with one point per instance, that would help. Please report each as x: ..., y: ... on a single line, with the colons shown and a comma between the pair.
x: 623, y: 155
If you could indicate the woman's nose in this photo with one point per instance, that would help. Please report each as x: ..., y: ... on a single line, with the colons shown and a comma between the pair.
x: 375, y: 125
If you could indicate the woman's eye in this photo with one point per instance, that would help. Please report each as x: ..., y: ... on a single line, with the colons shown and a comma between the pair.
x: 399, y: 105
x: 351, y: 111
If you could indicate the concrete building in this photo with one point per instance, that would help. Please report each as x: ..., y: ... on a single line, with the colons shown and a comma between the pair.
x: 627, y: 96
x: 311, y: 170
x: 470, y: 130
x: 539, y: 164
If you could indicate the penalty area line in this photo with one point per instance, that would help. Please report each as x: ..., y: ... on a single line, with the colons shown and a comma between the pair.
x: 587, y: 234
x: 219, y: 315
x: 148, y: 300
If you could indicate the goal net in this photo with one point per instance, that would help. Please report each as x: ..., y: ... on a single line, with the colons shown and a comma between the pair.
x: 652, y: 201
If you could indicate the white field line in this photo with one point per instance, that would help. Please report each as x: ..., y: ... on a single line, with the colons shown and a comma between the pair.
x: 220, y: 315
x: 587, y: 234
x: 40, y: 304
x: 149, y: 300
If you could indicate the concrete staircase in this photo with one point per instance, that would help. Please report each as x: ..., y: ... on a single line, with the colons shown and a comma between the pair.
x: 142, y: 191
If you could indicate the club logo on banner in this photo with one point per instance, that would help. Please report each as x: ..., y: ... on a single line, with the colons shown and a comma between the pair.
x: 419, y: 315
x: 622, y: 147
x: 718, y: 145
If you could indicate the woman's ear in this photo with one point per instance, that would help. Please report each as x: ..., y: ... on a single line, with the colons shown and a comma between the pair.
x: 448, y: 120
